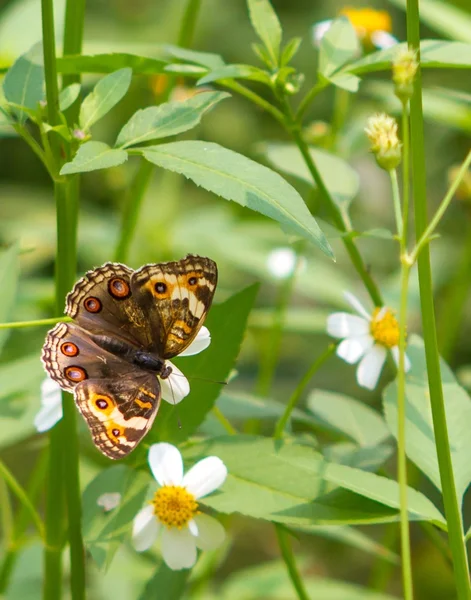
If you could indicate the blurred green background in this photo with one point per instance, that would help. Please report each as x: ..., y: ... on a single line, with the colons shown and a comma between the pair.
x: 177, y: 218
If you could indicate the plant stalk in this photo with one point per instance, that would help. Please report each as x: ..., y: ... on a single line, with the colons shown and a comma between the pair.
x: 289, y: 560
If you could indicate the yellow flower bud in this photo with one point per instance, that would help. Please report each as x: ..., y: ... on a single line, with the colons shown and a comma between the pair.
x: 381, y: 130
x: 404, y: 68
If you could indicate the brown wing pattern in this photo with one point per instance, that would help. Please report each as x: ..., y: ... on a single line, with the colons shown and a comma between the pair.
x: 176, y: 297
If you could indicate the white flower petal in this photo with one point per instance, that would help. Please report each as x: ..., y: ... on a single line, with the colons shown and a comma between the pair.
x: 48, y: 416
x: 205, y: 477
x: 383, y: 39
x: 395, y: 353
x: 175, y: 387
x: 211, y: 534
x: 200, y: 343
x: 357, y: 305
x: 319, y: 30
x: 178, y: 548
x: 370, y: 367
x: 281, y: 262
x: 109, y: 501
x: 145, y: 529
x: 353, y: 348
x: 342, y: 325
x: 50, y: 393
x: 193, y: 527
x: 166, y: 464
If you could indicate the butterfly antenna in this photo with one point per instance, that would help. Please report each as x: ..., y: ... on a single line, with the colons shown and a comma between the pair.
x: 201, y: 379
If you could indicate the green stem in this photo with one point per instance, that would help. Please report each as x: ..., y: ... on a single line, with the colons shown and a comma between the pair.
x: 289, y: 560
x: 401, y: 439
x: 224, y: 421
x: 425, y: 237
x: 37, y: 323
x: 453, y: 302
x: 405, y: 175
x: 22, y: 496
x: 237, y: 87
x: 341, y: 103
x: 396, y: 203
x: 450, y: 498
x: 73, y: 34
x: 295, y: 396
x: 350, y: 246
x: 308, y: 98
x: 188, y: 23
x: 132, y: 206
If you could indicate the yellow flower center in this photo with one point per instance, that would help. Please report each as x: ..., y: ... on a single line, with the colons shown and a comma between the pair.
x: 384, y: 327
x: 366, y: 20
x: 174, y: 506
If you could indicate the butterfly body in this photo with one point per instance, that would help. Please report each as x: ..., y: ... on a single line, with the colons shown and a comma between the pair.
x: 126, y: 325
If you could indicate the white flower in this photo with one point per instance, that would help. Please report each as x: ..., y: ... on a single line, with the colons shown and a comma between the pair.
x: 281, y: 262
x: 372, y: 26
x: 367, y: 337
x: 176, y: 386
x: 109, y: 501
x: 174, y: 513
x: 51, y: 406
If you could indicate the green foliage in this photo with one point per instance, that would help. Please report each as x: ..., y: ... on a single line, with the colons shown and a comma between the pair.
x: 267, y: 26
x: 94, y: 155
x: 9, y: 273
x: 24, y: 83
x: 339, y: 46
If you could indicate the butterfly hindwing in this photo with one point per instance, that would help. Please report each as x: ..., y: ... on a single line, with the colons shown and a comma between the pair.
x: 176, y: 297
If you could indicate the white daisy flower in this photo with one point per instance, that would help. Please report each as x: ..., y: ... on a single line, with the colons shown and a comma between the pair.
x: 373, y: 27
x: 109, y: 501
x: 176, y: 386
x: 174, y: 513
x: 366, y: 338
x: 51, y: 406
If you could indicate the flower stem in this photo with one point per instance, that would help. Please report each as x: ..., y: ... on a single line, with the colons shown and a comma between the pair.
x: 38, y: 323
x: 288, y: 557
x: 425, y: 237
x: 188, y: 23
x: 306, y: 378
x: 237, y: 87
x: 450, y: 498
x: 396, y: 203
x: 308, y: 98
x: 132, y: 206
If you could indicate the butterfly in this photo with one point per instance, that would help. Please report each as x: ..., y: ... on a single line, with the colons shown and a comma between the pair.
x: 126, y: 324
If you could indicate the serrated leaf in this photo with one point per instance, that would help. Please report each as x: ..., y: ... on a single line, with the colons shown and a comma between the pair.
x: 74, y: 64
x: 267, y: 26
x: 340, y: 179
x: 235, y: 177
x: 338, y: 45
x: 266, y: 481
x: 92, y: 156
x: 206, y: 59
x: 227, y: 323
x: 236, y: 72
x: 106, y: 94
x: 420, y: 437
x: 167, y: 119
x: 69, y: 95
x: 24, y: 82
x: 349, y: 416
x: 9, y: 272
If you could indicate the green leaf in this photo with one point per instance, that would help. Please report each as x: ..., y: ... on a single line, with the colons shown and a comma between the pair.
x: 24, y: 82
x: 367, y: 458
x: 433, y: 54
x: 266, y: 480
x: 349, y: 416
x: 179, y: 69
x: 227, y: 323
x: 290, y: 50
x: 420, y: 438
x: 69, y: 95
x: 173, y: 582
x: 206, y: 59
x: 92, y: 156
x: 445, y: 18
x: 235, y: 177
x: 167, y: 119
x: 106, y: 94
x: 340, y: 179
x: 104, y: 531
x: 267, y: 26
x: 339, y: 45
x: 74, y: 64
x: 372, y: 486
x: 9, y: 271
x: 236, y: 72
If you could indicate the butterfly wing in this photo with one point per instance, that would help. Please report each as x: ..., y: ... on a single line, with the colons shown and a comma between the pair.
x: 102, y: 302
x: 176, y: 297
x: 118, y: 400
